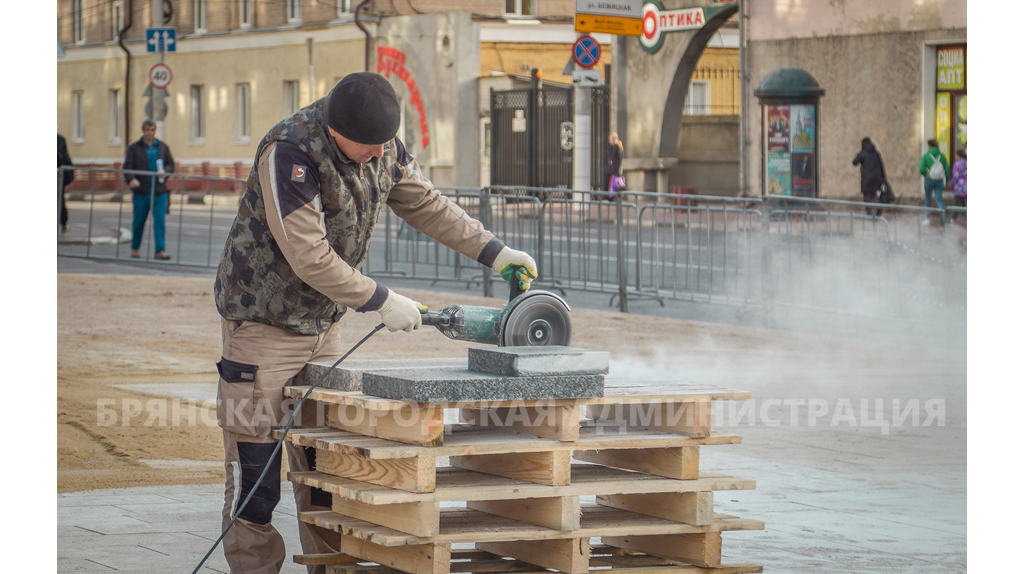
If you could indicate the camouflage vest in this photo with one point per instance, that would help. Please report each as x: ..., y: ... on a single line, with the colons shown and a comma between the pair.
x: 254, y: 281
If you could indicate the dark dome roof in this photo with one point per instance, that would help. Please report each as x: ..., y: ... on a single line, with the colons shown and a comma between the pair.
x: 789, y: 83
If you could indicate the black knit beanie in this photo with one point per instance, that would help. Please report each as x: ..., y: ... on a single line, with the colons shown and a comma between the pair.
x: 363, y: 107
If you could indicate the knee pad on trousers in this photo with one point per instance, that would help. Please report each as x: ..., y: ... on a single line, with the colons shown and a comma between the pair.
x: 252, y: 458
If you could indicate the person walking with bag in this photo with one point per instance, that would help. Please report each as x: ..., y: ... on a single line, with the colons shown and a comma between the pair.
x: 613, y: 165
x: 872, y: 174
x: 935, y: 169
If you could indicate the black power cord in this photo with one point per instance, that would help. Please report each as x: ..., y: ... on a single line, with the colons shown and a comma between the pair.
x: 277, y: 448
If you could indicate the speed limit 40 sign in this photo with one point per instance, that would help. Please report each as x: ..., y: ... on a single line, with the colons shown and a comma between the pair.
x: 160, y: 76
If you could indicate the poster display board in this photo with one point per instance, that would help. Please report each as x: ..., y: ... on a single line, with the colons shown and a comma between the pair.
x: 790, y: 161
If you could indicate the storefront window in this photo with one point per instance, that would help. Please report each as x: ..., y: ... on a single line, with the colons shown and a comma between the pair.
x: 951, y: 98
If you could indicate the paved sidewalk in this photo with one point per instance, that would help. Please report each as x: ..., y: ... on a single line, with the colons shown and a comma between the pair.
x: 155, y: 529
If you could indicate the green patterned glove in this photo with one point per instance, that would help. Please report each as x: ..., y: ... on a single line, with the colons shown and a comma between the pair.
x: 516, y: 266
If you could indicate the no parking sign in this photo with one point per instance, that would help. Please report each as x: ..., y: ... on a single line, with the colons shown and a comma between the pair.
x: 586, y: 52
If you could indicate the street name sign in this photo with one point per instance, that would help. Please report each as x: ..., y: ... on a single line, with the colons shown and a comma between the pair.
x: 619, y: 17
x: 619, y: 8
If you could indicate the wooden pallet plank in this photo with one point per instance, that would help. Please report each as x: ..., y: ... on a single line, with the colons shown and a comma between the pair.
x: 524, y: 568
x: 467, y: 439
x: 557, y: 422
x: 463, y: 560
x: 619, y: 564
x: 700, y: 549
x: 571, y: 555
x: 465, y: 525
x: 409, y: 425
x: 413, y: 559
x: 681, y: 463
x: 416, y: 474
x: 632, y: 390
x: 323, y: 559
x: 416, y: 518
x: 558, y: 513
x: 549, y: 468
x: 689, y: 507
x: 457, y: 484
x: 689, y: 418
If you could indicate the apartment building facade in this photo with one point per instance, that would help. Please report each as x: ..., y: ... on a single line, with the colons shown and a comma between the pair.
x: 239, y: 66
x: 892, y: 70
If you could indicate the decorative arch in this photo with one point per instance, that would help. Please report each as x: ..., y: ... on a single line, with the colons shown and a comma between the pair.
x: 673, y: 116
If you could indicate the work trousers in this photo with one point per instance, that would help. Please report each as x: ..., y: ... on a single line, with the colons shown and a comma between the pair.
x: 258, y: 362
x: 140, y: 211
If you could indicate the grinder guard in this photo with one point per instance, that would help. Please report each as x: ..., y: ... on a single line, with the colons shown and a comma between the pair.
x: 532, y: 318
x: 535, y: 319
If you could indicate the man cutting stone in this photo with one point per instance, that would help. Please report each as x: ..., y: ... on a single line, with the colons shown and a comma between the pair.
x: 291, y: 269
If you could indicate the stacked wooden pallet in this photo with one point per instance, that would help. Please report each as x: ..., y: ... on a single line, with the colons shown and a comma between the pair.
x: 506, y: 484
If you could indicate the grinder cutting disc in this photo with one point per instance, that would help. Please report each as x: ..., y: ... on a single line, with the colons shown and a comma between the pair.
x: 535, y: 319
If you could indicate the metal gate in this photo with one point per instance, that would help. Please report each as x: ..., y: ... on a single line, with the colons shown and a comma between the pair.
x: 526, y: 128
x: 600, y: 127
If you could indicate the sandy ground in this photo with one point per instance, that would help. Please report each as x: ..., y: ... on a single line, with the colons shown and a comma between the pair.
x: 119, y: 330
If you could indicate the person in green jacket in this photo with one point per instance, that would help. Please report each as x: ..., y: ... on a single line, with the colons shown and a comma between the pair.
x: 933, y: 184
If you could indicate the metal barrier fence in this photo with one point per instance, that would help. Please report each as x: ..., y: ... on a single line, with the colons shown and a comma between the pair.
x: 196, y: 223
x: 788, y: 259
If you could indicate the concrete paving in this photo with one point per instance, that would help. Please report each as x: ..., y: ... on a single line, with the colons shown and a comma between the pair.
x: 838, y: 490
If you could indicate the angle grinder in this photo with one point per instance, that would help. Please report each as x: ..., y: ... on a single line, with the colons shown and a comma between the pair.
x: 531, y: 319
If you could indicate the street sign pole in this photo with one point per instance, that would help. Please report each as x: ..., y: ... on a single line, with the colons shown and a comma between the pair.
x: 621, y: 18
x: 157, y: 105
x: 581, y: 152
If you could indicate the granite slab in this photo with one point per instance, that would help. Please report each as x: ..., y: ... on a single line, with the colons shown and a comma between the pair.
x: 439, y: 385
x: 533, y: 361
x: 348, y: 376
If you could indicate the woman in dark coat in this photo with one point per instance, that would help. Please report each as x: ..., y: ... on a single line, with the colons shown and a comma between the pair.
x: 613, y: 163
x: 872, y: 173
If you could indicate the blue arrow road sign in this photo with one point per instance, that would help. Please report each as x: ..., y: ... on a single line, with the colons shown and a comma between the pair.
x: 586, y: 51
x: 160, y: 39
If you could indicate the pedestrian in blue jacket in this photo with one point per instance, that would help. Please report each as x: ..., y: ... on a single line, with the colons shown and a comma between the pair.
x: 148, y: 192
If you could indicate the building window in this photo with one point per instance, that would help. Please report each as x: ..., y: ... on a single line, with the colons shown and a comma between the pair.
x: 197, y: 114
x: 291, y: 97
x: 115, y: 111
x: 346, y: 7
x: 294, y: 10
x: 199, y: 16
x: 78, y: 116
x: 116, y: 18
x: 77, y: 22
x: 520, y: 8
x: 242, y: 113
x: 698, y: 99
x: 244, y: 13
